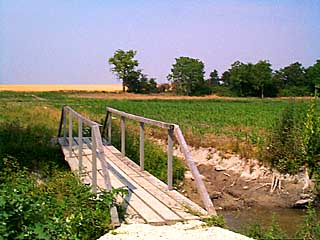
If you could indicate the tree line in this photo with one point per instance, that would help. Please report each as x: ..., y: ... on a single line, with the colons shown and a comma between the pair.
x: 187, y: 77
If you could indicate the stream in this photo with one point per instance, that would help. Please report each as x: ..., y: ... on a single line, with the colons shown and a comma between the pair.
x: 289, y: 219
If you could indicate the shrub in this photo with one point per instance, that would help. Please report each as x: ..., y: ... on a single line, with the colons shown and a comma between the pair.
x: 310, y: 229
x: 269, y: 233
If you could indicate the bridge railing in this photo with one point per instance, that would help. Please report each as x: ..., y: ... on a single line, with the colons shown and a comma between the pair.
x: 173, y: 130
x: 96, y: 148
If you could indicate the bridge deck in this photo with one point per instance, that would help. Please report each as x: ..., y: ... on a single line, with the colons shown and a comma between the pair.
x: 148, y: 200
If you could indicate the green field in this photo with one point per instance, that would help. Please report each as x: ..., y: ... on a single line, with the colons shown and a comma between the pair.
x: 204, y: 122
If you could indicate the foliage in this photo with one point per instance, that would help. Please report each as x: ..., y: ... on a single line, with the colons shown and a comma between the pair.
x: 124, y: 66
x: 214, y: 78
x: 250, y: 79
x: 284, y: 151
x: 217, y: 221
x: 313, y: 76
x: 310, y: 229
x: 39, y: 197
x: 187, y: 76
x: 296, y: 139
x: 271, y: 232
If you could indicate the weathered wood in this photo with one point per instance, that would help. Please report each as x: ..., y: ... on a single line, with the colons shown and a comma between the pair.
x: 151, y: 200
x: 94, y: 162
x: 195, y: 172
x: 141, y: 146
x: 78, y: 115
x: 70, y: 135
x: 80, y: 142
x: 150, y: 187
x: 109, y: 127
x: 123, y: 135
x: 102, y: 158
x: 170, y: 158
x: 64, y: 125
x: 139, y: 118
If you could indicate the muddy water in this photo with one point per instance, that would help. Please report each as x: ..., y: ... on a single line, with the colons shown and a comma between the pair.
x: 288, y: 219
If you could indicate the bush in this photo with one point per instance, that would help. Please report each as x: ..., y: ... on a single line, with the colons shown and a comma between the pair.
x: 39, y: 197
x: 310, y: 229
x: 269, y: 233
x: 284, y: 149
x: 295, y: 141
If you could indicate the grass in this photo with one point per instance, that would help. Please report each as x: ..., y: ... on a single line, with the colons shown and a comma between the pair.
x: 39, y: 197
x: 236, y: 125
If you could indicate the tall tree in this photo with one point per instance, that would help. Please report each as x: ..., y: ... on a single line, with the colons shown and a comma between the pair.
x: 214, y: 78
x: 124, y: 66
x: 293, y: 79
x: 262, y: 76
x: 187, y: 75
x: 313, y: 76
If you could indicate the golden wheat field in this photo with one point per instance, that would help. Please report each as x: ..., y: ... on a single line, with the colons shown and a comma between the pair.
x: 60, y: 87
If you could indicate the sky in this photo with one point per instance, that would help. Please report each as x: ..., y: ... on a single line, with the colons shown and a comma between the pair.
x: 70, y: 41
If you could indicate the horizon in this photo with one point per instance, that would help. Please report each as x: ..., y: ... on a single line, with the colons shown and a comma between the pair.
x: 69, y: 42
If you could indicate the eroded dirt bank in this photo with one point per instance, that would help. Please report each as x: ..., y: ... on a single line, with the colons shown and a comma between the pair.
x: 235, y: 183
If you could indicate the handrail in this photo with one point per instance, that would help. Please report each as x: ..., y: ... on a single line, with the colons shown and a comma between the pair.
x: 173, y: 129
x: 139, y: 118
x: 96, y: 148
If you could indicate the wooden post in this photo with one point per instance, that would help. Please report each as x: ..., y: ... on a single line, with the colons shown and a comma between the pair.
x: 170, y: 157
x: 80, y: 144
x: 64, y: 125
x: 141, y: 146
x: 94, y: 161
x: 195, y: 172
x: 123, y: 135
x: 70, y: 134
x: 109, y: 127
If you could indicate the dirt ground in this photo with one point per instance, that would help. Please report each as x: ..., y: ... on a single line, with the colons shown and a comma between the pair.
x: 235, y: 183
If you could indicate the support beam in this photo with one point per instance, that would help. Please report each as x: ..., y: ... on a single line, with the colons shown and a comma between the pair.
x: 170, y: 157
x: 94, y: 161
x: 141, y: 146
x: 123, y: 135
x: 80, y: 141
x: 109, y: 127
x: 70, y: 134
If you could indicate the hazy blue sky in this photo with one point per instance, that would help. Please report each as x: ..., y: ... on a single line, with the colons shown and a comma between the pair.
x: 65, y: 41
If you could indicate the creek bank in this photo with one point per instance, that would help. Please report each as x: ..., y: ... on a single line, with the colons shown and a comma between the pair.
x: 235, y: 183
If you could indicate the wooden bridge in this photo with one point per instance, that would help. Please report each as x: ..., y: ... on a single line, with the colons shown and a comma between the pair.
x: 104, y: 167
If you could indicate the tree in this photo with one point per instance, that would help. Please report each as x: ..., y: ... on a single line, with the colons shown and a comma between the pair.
x: 313, y: 76
x: 241, y: 78
x: 262, y: 75
x: 187, y: 76
x: 214, y: 78
x: 124, y: 66
x: 294, y: 80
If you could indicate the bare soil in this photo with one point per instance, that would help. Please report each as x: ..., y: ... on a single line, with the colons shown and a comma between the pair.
x: 235, y: 183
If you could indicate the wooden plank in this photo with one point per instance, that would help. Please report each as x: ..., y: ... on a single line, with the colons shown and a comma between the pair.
x: 139, y: 206
x: 133, y: 185
x: 153, y: 190
x: 139, y: 118
x: 159, y: 184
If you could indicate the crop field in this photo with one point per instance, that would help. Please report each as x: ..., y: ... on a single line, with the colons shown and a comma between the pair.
x: 222, y: 123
